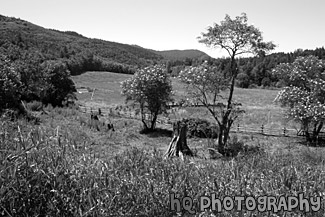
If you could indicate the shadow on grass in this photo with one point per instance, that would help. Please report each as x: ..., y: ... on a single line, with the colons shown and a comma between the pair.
x: 319, y: 143
x: 158, y: 132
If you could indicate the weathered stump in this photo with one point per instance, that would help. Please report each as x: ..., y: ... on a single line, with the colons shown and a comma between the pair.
x: 179, y: 144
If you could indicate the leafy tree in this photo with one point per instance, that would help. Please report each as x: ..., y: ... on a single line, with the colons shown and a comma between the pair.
x: 9, y: 84
x: 236, y: 37
x: 31, y: 75
x: 242, y: 80
x: 151, y: 88
x: 304, y: 93
x: 59, y: 84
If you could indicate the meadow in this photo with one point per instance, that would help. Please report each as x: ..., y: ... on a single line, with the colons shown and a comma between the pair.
x: 59, y: 166
x: 258, y: 104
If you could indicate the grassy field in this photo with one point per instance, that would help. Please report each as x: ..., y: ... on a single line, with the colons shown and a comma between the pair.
x: 107, y: 85
x: 61, y: 166
x: 258, y: 103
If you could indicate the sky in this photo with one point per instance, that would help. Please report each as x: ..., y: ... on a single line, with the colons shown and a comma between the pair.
x: 176, y: 24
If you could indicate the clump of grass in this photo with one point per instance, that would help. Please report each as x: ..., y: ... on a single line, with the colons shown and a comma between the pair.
x: 34, y: 106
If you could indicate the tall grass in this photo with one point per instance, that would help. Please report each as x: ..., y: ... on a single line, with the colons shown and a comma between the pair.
x: 46, y: 174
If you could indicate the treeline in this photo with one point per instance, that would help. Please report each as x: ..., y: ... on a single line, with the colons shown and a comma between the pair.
x: 25, y: 75
x: 78, y: 59
x: 252, y: 72
x: 258, y: 71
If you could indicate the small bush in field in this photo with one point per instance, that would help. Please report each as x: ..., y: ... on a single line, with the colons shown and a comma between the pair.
x: 34, y: 106
x: 201, y: 128
x: 151, y: 89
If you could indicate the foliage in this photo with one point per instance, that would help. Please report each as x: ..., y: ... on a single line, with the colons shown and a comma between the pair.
x: 34, y: 106
x: 204, y: 83
x: 27, y: 76
x: 201, y: 128
x: 304, y: 94
x: 9, y: 83
x: 151, y: 88
x: 236, y: 37
x: 253, y: 70
x: 59, y: 84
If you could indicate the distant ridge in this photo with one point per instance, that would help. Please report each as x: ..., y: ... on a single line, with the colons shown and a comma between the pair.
x: 182, y: 54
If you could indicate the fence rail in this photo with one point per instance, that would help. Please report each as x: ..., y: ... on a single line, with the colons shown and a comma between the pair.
x: 285, y: 132
x: 273, y: 131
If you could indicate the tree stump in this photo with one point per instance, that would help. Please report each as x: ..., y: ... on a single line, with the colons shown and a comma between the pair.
x: 179, y: 143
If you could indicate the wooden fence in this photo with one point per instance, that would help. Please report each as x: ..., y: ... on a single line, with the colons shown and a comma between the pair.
x: 124, y: 114
x: 287, y: 132
x: 267, y: 131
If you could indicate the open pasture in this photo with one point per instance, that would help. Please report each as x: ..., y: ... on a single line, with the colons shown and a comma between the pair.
x: 260, y: 108
x: 106, y: 86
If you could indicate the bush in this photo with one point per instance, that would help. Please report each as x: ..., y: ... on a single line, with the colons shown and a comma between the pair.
x: 9, y: 84
x: 266, y: 82
x: 59, y: 87
x: 242, y: 80
x: 253, y: 86
x: 34, y: 106
x: 201, y: 128
x: 151, y: 89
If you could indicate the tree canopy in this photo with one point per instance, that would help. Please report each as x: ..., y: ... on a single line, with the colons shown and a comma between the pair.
x: 237, y: 37
x: 151, y: 89
x: 304, y: 93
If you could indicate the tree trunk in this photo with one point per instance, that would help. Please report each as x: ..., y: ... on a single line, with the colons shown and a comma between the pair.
x: 153, y: 121
x: 225, y: 124
x: 179, y: 143
x: 221, y: 146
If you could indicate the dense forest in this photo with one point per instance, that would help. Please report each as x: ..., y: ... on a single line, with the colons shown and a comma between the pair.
x: 257, y: 71
x: 253, y: 71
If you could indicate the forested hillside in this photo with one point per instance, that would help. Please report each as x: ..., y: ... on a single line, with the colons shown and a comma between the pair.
x: 182, y: 55
x: 80, y: 53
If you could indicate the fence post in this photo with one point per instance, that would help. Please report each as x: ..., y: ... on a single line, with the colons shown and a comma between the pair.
x: 237, y: 127
x: 262, y: 128
x: 284, y: 131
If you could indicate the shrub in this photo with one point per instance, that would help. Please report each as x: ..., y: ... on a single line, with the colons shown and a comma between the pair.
x: 34, y: 106
x: 201, y: 128
x: 9, y: 84
x: 59, y: 87
x: 266, y: 82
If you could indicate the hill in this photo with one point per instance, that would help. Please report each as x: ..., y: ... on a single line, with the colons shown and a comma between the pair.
x: 82, y: 53
x: 182, y: 55
x: 54, y: 44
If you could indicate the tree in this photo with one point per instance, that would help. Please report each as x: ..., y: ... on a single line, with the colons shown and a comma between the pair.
x: 236, y: 37
x: 59, y: 84
x: 9, y: 84
x: 304, y: 93
x: 151, y: 88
